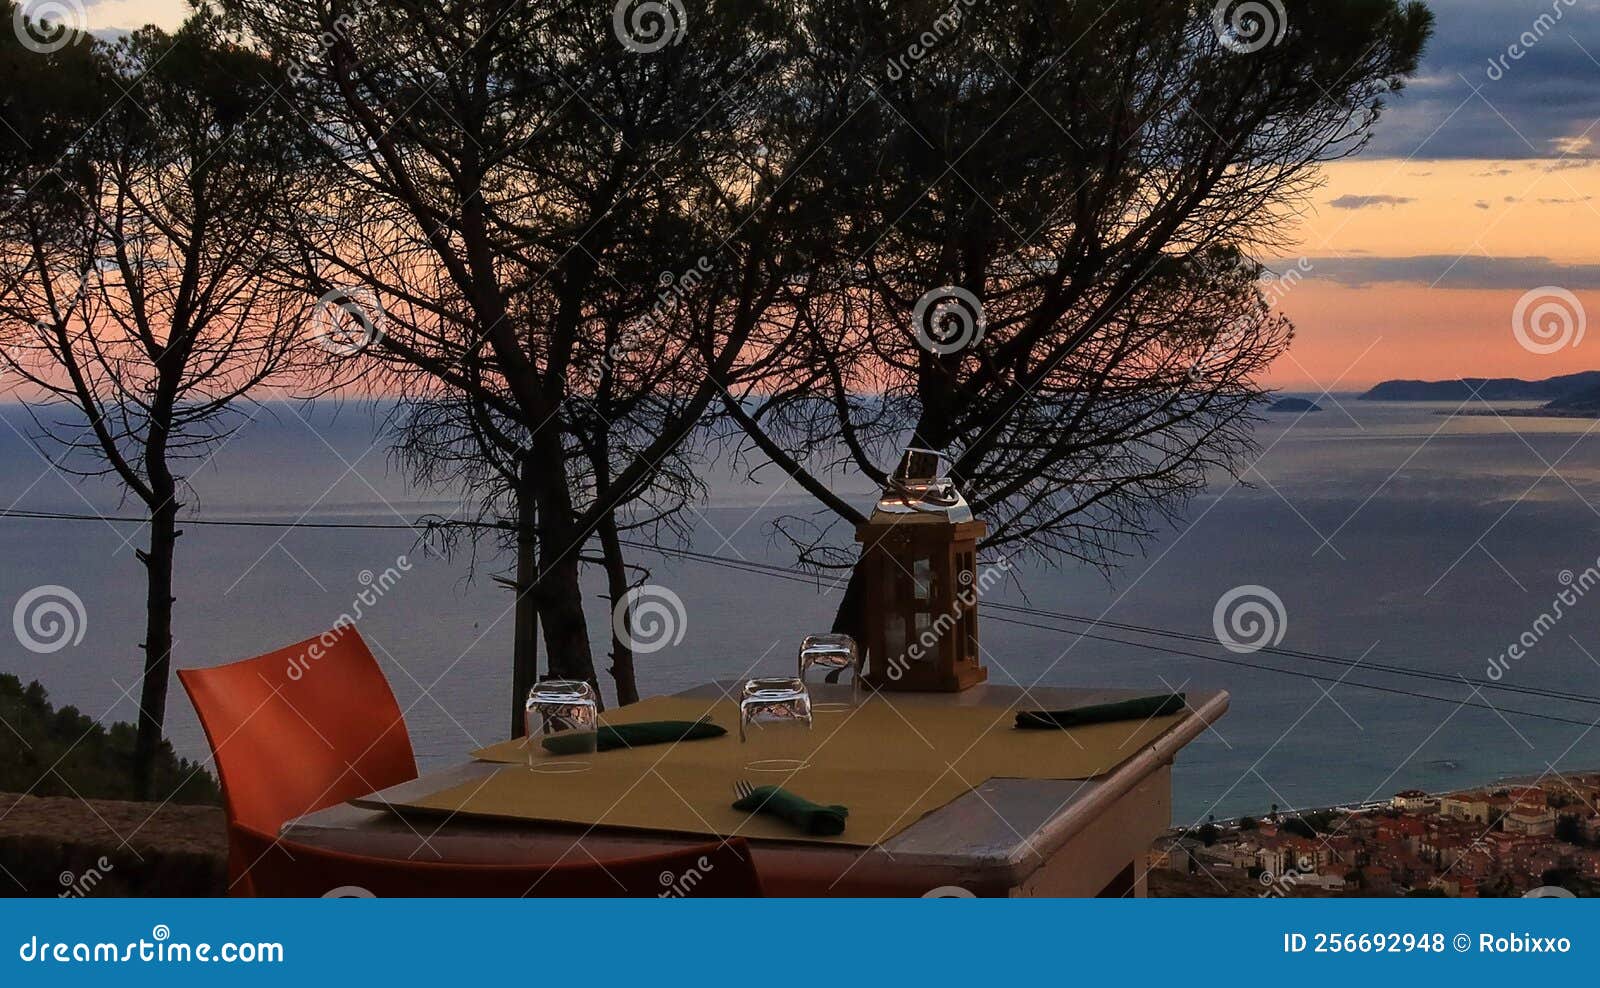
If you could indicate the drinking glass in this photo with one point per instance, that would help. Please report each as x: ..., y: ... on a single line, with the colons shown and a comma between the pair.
x: 565, y: 712
x: 775, y: 724
x: 832, y: 653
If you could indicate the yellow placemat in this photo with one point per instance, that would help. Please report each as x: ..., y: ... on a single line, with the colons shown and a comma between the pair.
x: 890, y: 761
x: 980, y: 742
x: 684, y: 799
x: 515, y: 752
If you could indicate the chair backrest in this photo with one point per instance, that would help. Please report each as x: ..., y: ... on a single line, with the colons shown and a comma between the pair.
x: 286, y: 869
x: 299, y: 729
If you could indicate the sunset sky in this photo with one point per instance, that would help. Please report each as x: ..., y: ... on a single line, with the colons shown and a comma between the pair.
x: 1480, y: 186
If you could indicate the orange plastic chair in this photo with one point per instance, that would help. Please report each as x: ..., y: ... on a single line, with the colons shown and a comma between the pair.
x: 299, y: 729
x: 285, y: 869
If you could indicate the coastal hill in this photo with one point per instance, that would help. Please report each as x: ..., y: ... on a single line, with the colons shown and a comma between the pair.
x: 1586, y: 402
x: 1294, y: 405
x: 1551, y: 389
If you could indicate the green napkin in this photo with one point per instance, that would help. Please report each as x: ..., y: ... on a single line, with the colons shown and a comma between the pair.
x: 1142, y: 708
x: 635, y: 735
x: 814, y: 819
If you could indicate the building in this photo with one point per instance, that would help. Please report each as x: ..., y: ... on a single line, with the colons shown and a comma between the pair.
x: 1470, y: 806
x: 1327, y: 881
x: 1442, y: 848
x: 1377, y: 878
x: 1273, y: 857
x: 1177, y: 855
x: 1345, y: 850
x: 1412, y: 801
x: 1401, y: 832
x: 1305, y: 855
x: 1532, y: 819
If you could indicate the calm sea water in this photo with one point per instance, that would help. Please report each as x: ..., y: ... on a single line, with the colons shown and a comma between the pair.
x: 1388, y: 532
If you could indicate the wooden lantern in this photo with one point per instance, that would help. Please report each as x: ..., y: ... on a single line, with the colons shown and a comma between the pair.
x: 919, y: 551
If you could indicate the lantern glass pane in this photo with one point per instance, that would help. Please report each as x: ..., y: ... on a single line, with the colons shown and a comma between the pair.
x: 922, y: 577
x: 894, y: 634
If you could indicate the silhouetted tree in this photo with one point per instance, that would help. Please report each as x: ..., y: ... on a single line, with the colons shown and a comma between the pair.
x: 582, y: 233
x: 1300, y: 828
x: 1047, y: 218
x: 132, y: 299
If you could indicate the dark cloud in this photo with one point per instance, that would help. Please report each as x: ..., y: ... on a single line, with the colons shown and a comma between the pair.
x: 1446, y: 271
x: 1366, y: 202
x: 1500, y: 79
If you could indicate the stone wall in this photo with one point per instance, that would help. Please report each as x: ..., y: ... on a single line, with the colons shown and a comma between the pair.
x: 62, y: 846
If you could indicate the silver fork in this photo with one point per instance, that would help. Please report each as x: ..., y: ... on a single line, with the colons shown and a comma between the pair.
x: 743, y: 789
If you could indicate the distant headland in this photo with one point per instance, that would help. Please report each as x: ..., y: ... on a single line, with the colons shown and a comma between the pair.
x: 1566, y: 396
x: 1294, y: 405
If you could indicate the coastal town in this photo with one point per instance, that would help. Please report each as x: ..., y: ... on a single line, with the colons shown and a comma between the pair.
x: 1508, y: 839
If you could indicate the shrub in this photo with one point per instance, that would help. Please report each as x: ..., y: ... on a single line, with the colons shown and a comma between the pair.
x: 50, y: 752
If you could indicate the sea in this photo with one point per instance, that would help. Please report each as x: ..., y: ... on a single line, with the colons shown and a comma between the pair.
x: 1374, y: 534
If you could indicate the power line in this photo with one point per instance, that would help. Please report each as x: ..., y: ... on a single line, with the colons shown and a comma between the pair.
x: 1288, y: 653
x: 245, y: 523
x: 1352, y: 664
x: 1318, y: 678
x: 815, y: 580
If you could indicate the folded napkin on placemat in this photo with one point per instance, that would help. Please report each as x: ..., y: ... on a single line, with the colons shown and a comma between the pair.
x: 636, y: 735
x: 1142, y: 708
x: 814, y: 819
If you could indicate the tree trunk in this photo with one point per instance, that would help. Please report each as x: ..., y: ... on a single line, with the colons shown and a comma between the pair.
x: 559, y: 594
x: 157, y: 642
x: 525, y: 636
x: 851, y: 617
x: 622, y: 671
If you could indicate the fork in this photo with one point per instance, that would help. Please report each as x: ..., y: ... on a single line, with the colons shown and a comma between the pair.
x: 743, y: 789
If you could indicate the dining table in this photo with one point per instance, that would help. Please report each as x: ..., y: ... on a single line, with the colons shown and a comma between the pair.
x: 1000, y: 836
